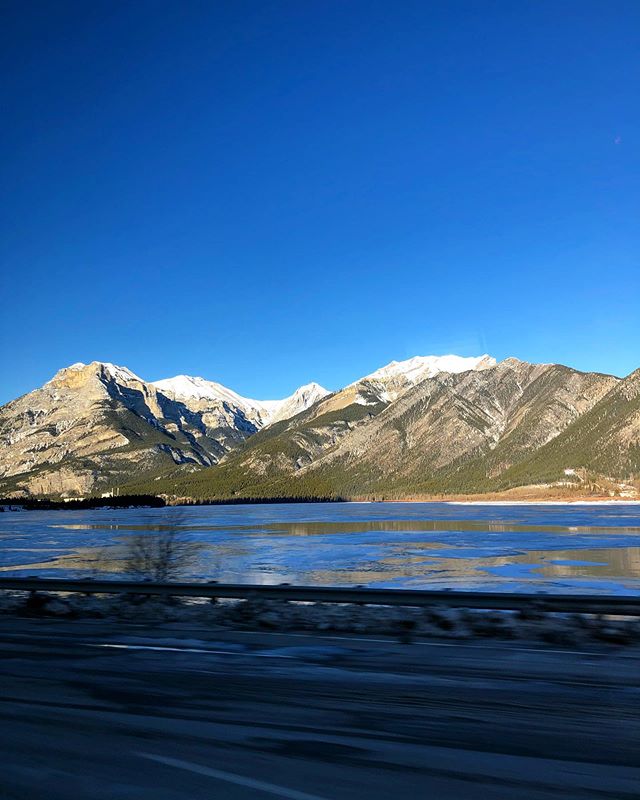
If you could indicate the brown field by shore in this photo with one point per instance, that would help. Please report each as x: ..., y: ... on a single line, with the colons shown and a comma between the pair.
x: 523, y: 494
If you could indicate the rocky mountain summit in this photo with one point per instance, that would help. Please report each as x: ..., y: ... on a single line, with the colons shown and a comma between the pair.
x: 390, y: 381
x: 97, y: 425
x: 427, y: 425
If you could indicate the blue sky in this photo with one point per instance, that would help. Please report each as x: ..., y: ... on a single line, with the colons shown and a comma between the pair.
x: 266, y: 194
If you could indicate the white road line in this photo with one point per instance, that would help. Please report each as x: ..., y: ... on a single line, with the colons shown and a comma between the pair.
x: 188, y: 650
x: 230, y: 777
x: 347, y: 639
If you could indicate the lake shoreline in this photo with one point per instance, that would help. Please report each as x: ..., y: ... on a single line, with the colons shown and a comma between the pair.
x: 516, y: 497
x: 467, y: 500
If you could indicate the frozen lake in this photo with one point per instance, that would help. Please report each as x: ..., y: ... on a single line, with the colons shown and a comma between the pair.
x: 558, y: 548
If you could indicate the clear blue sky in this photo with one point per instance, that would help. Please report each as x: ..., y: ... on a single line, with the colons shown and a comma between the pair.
x: 268, y: 193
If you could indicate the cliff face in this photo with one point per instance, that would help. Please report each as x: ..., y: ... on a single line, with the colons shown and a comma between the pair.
x: 96, y: 425
x: 84, y: 427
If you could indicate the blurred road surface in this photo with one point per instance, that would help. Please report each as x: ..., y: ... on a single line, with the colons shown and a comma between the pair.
x: 108, y: 712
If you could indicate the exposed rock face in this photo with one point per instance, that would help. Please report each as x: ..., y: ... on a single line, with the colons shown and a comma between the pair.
x: 92, y: 424
x: 100, y: 425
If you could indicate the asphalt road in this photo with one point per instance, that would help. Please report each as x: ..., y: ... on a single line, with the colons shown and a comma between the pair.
x: 98, y: 710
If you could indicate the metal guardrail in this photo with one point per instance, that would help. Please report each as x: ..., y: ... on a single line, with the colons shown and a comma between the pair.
x: 577, y: 603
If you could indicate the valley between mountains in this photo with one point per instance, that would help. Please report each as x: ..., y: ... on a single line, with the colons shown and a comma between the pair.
x: 429, y: 426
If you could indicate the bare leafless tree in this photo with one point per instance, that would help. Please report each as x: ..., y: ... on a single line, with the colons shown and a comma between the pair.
x: 163, y: 555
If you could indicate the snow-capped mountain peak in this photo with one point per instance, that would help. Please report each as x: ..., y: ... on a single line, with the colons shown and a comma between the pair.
x: 300, y: 400
x: 419, y: 367
x: 188, y: 388
x: 388, y: 382
x: 119, y: 374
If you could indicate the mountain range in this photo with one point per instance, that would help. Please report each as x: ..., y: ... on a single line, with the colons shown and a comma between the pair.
x: 426, y: 426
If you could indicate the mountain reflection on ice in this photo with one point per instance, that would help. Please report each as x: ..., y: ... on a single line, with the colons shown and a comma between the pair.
x: 593, y: 548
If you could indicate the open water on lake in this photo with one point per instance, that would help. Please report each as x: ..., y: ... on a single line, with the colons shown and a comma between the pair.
x: 556, y: 548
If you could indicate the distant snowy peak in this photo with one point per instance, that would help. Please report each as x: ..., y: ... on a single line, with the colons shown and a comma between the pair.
x: 419, y: 367
x: 299, y: 401
x: 388, y: 382
x: 310, y: 392
x: 185, y: 388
